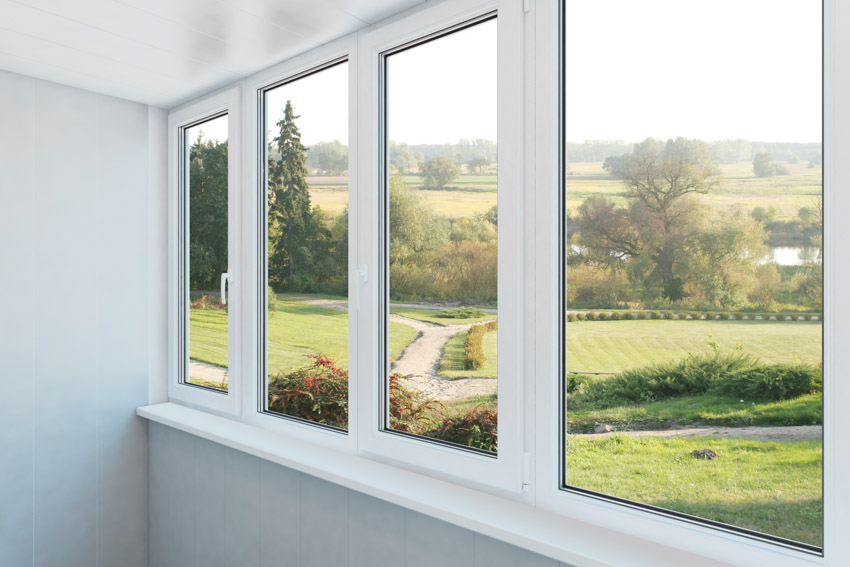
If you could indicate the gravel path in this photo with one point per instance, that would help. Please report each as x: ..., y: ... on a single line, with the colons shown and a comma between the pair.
x: 420, y: 360
x: 207, y: 372
x: 778, y: 433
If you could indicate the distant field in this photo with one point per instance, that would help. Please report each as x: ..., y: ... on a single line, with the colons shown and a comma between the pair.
x: 432, y: 316
x: 296, y: 331
x: 740, y: 187
x: 612, y: 346
x: 469, y: 195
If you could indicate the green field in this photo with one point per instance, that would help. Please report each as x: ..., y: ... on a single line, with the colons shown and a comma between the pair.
x: 740, y: 187
x: 297, y: 330
x: 472, y: 183
x: 769, y: 487
x: 612, y: 346
x: 451, y: 366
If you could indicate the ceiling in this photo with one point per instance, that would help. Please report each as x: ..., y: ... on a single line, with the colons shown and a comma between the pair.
x: 166, y: 52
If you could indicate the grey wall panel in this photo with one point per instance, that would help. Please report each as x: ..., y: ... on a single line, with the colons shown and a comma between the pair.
x: 280, y: 516
x: 17, y: 222
x: 491, y: 552
x: 242, y: 506
x: 324, y: 523
x: 376, y: 532
x: 455, y: 547
x: 73, y: 329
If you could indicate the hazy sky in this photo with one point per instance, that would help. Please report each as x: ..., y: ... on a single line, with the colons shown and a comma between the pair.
x: 444, y: 90
x: 707, y: 69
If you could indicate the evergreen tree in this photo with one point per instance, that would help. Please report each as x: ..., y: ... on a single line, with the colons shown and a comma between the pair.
x: 207, y: 213
x: 295, y: 230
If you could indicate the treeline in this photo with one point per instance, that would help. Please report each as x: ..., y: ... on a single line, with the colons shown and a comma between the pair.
x: 725, y: 151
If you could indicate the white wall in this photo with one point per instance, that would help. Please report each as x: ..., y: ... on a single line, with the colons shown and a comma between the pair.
x: 75, y: 190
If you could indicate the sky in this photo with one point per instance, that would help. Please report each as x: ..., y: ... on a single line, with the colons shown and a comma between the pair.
x: 712, y: 70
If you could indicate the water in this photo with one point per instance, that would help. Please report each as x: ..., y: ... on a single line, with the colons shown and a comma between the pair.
x: 791, y: 255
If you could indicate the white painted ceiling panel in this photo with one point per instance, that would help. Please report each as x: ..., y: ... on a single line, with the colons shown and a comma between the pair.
x: 165, y: 52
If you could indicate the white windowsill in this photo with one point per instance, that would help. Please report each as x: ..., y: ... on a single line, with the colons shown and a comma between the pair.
x: 571, y: 541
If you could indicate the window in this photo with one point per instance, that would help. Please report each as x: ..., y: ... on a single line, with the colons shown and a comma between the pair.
x: 204, y: 153
x: 693, y: 259
x: 305, y: 276
x: 441, y: 246
x: 204, y: 169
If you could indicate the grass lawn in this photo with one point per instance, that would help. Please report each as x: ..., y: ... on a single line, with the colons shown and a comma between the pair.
x: 740, y: 187
x: 296, y: 331
x: 769, y: 487
x: 612, y: 346
x: 432, y: 316
x: 697, y: 409
x: 451, y: 366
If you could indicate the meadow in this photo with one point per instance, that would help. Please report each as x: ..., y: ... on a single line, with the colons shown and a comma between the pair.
x: 739, y: 188
x: 297, y: 330
x: 774, y: 488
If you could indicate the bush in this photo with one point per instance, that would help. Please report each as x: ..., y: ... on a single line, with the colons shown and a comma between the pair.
x: 667, y: 315
x: 602, y: 316
x: 461, y: 313
x: 317, y: 393
x: 773, y: 382
x: 571, y: 317
x: 411, y: 411
x: 590, y: 316
x: 272, y: 299
x: 473, y: 356
x: 474, y: 428
x: 733, y: 375
x: 615, y: 316
x: 580, y: 317
x: 628, y: 316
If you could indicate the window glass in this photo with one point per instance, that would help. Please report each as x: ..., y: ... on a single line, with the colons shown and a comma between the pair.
x: 693, y: 260
x: 441, y: 197
x: 205, y: 147
x: 306, y: 233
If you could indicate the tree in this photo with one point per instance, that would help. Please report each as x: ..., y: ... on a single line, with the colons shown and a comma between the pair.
x: 295, y: 231
x: 764, y: 215
x: 401, y: 157
x: 660, y: 223
x: 439, y: 171
x: 414, y: 227
x: 207, y: 213
x: 479, y: 163
x: 763, y: 166
x: 332, y: 157
x: 614, y: 166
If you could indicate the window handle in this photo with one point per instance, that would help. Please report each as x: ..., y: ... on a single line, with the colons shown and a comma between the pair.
x: 362, y: 279
x: 225, y: 277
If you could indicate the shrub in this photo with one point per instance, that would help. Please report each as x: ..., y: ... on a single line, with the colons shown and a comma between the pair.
x: 571, y: 317
x: 724, y: 316
x: 473, y: 356
x: 476, y: 428
x: 736, y: 375
x: 615, y: 316
x: 695, y: 314
x: 602, y: 316
x: 628, y: 316
x: 411, y: 411
x: 590, y: 316
x: 207, y: 302
x: 317, y: 393
x: 272, y: 300
x: 654, y: 315
x: 667, y: 315
x: 461, y: 313
x: 579, y: 316
x: 682, y: 315
x: 770, y: 382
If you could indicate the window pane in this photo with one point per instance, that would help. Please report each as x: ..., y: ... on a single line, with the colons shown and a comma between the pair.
x: 441, y: 206
x: 307, y: 248
x: 694, y: 288
x: 206, y: 147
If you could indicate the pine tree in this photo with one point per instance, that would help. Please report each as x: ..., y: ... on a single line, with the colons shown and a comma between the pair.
x: 294, y: 228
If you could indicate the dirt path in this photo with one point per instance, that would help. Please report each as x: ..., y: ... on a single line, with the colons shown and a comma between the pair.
x: 420, y: 360
x: 207, y: 372
x: 778, y: 433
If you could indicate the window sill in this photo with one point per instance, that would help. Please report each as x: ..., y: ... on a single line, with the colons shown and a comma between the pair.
x: 568, y: 540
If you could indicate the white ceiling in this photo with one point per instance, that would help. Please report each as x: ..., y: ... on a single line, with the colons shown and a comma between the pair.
x: 165, y: 52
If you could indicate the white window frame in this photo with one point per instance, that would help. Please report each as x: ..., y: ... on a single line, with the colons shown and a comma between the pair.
x: 671, y: 533
x: 178, y: 299
x: 504, y: 471
x: 528, y: 439
x: 255, y: 246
